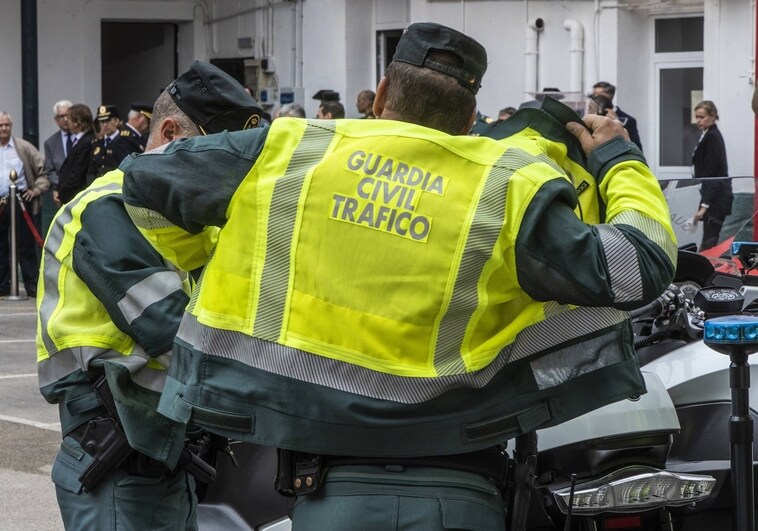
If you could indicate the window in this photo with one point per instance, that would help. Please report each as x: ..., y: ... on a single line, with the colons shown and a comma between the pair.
x: 678, y: 67
x: 679, y: 35
x: 386, y: 43
x: 679, y: 88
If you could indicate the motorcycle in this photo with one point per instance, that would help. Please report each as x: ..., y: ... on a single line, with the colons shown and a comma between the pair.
x: 661, y: 461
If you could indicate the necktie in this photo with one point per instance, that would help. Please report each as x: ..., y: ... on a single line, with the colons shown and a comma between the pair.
x: 107, y: 141
x: 69, y: 142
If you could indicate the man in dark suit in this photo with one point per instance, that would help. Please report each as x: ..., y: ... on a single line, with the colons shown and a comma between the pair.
x: 56, y: 146
x: 629, y: 122
x: 56, y: 149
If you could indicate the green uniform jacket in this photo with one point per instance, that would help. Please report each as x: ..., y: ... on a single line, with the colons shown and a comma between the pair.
x: 108, y: 303
x: 383, y: 289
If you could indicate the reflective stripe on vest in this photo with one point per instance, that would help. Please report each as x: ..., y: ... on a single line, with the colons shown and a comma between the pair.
x: 145, y: 371
x: 285, y: 205
x: 483, y: 236
x: 552, y: 337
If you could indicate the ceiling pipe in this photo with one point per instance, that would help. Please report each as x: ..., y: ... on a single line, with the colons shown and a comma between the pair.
x: 576, y: 54
x: 531, y: 54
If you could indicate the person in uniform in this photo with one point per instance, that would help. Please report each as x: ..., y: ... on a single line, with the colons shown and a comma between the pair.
x: 388, y: 301
x: 132, y: 137
x: 108, y: 311
x: 481, y: 124
x: 104, y: 158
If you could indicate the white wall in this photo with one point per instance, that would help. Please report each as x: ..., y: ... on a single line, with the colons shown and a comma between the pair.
x: 333, y: 46
x: 728, y: 71
x: 631, y: 62
x: 10, y: 65
x: 324, y: 53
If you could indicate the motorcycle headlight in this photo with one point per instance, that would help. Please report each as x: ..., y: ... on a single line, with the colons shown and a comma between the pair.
x: 635, y: 489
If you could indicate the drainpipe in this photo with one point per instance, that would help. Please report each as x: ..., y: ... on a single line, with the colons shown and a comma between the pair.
x: 531, y: 53
x: 576, y: 53
x: 29, y: 76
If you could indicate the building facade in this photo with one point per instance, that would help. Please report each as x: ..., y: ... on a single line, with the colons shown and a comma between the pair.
x: 662, y: 56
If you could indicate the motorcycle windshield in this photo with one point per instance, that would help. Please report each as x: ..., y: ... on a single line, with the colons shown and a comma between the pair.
x: 683, y: 196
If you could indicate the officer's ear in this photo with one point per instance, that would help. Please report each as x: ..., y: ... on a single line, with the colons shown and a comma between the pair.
x: 169, y: 131
x: 166, y: 131
x: 381, y: 96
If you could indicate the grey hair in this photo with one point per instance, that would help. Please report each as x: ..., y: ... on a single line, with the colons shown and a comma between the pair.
x: 166, y: 108
x: 62, y: 103
x: 292, y: 109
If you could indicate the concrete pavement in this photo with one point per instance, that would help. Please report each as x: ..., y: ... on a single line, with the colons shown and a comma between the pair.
x: 29, y: 429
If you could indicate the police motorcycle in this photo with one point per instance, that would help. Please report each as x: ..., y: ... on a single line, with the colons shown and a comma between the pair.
x: 661, y: 461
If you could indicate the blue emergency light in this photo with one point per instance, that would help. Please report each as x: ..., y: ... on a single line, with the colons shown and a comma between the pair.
x: 732, y: 333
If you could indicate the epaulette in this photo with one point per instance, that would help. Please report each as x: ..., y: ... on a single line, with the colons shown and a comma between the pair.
x: 124, y: 133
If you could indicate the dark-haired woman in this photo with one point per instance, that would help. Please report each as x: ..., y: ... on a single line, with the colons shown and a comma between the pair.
x: 709, y: 160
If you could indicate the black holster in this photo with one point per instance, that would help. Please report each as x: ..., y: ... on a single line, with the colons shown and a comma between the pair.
x: 104, y: 439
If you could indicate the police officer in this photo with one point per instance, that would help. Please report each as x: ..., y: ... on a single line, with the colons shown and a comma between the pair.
x: 104, y: 158
x: 132, y: 136
x: 387, y: 301
x: 481, y: 124
x: 110, y: 307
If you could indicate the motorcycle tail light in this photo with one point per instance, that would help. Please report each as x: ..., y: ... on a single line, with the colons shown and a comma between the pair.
x: 635, y: 489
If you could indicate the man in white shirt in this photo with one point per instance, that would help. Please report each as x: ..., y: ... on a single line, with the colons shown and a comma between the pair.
x: 31, y: 182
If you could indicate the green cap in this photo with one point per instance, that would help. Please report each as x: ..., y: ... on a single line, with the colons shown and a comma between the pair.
x: 214, y: 100
x: 423, y: 37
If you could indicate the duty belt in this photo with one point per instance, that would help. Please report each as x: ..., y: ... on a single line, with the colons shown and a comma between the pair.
x: 300, y: 473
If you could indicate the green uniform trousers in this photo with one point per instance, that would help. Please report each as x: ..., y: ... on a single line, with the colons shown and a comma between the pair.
x: 376, y: 498
x: 121, y: 501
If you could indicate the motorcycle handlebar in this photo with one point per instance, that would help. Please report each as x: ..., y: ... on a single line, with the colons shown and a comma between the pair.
x: 658, y: 305
x: 653, y: 308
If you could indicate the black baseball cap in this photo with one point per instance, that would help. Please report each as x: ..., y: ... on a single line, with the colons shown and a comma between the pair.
x: 106, y: 112
x: 327, y: 95
x: 423, y: 37
x: 214, y: 100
